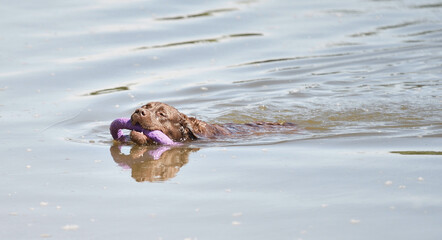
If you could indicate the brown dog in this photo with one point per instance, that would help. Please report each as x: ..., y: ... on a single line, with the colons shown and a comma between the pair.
x: 179, y: 127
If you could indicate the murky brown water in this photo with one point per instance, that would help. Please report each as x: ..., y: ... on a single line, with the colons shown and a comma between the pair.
x: 361, y: 79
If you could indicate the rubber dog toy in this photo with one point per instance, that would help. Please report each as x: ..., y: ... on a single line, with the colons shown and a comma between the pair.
x: 117, y: 126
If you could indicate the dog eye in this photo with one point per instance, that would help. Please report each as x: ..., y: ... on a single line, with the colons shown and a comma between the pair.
x: 162, y: 114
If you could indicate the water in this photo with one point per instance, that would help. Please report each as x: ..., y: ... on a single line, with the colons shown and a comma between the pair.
x: 361, y: 79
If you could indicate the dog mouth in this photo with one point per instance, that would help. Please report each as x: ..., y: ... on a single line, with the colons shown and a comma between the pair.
x: 134, y: 120
x: 137, y: 120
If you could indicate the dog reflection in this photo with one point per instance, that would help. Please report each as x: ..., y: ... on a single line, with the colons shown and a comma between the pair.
x: 152, y: 163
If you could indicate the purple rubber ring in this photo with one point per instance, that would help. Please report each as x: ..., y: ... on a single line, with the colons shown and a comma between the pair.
x: 117, y: 126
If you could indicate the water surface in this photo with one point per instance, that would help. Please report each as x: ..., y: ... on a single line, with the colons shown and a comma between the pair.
x: 361, y: 79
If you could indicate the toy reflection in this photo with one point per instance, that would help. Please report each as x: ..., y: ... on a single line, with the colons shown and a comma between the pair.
x: 152, y: 163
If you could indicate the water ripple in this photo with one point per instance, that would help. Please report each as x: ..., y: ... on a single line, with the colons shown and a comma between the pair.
x: 198, y: 41
x: 197, y: 15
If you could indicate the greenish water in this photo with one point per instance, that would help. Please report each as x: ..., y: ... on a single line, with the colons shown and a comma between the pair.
x: 417, y: 152
x: 361, y: 79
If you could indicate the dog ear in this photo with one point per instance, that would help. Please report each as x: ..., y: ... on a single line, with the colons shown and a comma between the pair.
x: 194, y: 128
x: 187, y: 126
x: 200, y: 128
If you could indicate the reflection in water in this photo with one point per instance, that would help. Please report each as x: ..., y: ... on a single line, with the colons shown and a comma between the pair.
x: 273, y: 60
x: 152, y: 163
x: 203, y: 14
x: 206, y: 40
x: 417, y: 152
x: 436, y: 5
x: 109, y: 90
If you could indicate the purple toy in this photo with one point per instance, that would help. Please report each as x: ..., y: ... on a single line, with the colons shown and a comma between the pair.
x: 124, y: 123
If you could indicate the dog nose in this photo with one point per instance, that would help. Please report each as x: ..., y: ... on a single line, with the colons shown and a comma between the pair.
x: 141, y: 111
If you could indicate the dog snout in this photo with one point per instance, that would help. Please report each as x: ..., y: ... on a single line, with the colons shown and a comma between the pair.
x: 141, y: 111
